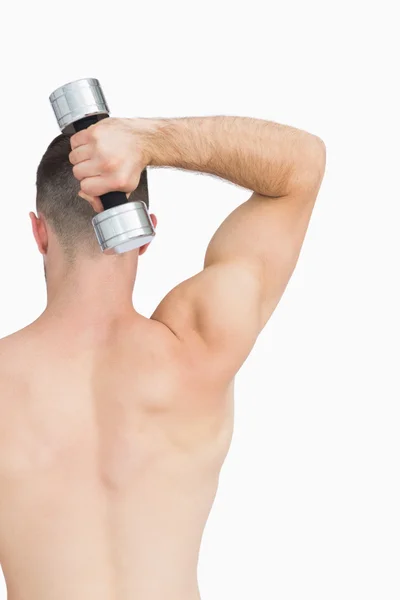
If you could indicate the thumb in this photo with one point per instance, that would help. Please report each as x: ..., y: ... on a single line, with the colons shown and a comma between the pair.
x: 94, y: 201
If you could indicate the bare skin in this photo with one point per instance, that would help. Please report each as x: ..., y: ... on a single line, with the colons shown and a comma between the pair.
x: 114, y: 427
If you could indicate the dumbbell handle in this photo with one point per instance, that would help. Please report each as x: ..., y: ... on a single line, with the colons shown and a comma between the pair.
x: 110, y: 199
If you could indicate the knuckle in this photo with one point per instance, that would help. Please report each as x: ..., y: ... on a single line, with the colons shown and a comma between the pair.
x: 86, y: 187
x: 76, y: 172
x: 95, y: 131
x: 110, y: 164
x: 79, y: 139
x: 120, y: 181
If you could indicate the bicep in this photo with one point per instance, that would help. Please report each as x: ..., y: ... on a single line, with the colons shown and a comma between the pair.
x: 263, y: 236
x: 248, y: 264
x: 215, y: 314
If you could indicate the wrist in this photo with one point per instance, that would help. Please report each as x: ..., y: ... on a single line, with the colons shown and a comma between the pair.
x: 163, y: 142
x: 149, y: 135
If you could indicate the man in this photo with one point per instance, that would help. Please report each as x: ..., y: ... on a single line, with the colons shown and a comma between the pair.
x: 114, y: 427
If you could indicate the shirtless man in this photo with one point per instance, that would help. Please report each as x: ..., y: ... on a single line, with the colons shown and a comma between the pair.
x: 114, y: 427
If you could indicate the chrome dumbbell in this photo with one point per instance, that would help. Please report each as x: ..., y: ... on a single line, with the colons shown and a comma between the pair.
x: 123, y: 225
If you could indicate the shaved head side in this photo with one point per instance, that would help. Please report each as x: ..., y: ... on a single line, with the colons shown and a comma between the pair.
x: 68, y: 215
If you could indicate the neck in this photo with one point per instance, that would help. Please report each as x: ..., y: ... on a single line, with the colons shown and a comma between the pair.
x: 92, y: 293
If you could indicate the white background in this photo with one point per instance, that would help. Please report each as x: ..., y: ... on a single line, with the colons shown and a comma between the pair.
x: 308, y: 505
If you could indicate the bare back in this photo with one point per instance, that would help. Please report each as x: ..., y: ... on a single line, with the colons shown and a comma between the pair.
x: 110, y: 454
x: 111, y: 444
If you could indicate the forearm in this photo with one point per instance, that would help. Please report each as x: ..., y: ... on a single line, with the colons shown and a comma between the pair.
x: 263, y: 156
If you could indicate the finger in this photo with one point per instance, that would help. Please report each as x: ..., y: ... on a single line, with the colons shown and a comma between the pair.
x: 86, y: 197
x: 79, y: 139
x: 80, y: 154
x: 94, y: 201
x: 97, y: 185
x: 84, y: 169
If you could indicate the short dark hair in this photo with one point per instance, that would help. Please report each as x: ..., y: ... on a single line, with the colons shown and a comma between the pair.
x: 57, y: 199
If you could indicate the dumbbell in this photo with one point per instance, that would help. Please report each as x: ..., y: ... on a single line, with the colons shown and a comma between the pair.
x: 123, y: 225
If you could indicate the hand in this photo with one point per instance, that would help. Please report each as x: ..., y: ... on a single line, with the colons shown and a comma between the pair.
x: 110, y: 156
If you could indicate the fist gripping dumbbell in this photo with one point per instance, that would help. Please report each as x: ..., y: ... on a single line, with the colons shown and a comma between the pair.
x: 123, y: 225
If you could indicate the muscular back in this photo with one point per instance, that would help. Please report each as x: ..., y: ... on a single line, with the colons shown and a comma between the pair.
x: 111, y: 443
x: 110, y: 452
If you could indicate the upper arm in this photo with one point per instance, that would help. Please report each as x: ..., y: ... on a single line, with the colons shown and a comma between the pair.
x: 247, y: 267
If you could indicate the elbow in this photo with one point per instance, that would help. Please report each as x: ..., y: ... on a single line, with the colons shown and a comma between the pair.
x: 310, y: 170
x: 320, y: 157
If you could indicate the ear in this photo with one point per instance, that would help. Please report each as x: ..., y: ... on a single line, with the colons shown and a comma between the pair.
x: 39, y: 232
x: 143, y: 249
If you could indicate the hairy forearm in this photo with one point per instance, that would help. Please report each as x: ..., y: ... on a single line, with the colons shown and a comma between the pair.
x: 263, y: 156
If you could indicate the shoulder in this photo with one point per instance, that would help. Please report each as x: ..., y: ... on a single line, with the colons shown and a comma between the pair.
x: 15, y: 354
x: 216, y: 315
x: 14, y: 340
x: 7, y: 349
x: 11, y: 377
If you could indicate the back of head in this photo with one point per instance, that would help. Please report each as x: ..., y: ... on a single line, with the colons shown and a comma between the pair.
x: 68, y: 215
